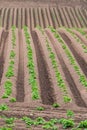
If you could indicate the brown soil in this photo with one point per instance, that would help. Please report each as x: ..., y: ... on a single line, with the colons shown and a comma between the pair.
x: 81, y: 37
x: 57, y: 93
x: 44, y: 16
x: 27, y: 3
x: 68, y: 76
x: 45, y: 83
x: 56, y: 13
x: 2, y: 52
x: 20, y: 78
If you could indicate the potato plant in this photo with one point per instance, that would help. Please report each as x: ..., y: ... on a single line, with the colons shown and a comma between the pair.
x: 10, y: 71
x: 70, y: 57
x: 31, y: 66
x: 77, y: 39
x: 60, y: 82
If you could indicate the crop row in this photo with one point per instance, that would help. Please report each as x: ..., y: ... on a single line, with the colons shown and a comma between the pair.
x: 81, y: 30
x: 77, y: 39
x: 70, y: 57
x: 60, y: 82
x: 50, y: 124
x: 53, y: 16
x: 31, y: 66
x: 10, y: 70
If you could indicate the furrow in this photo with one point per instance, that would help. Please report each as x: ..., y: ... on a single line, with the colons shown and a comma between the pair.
x: 66, y: 69
x: 40, y: 17
x: 53, y: 16
x: 75, y: 17
x: 7, y: 22
x: 77, y: 56
x: 63, y: 17
x: 49, y: 17
x: 2, y: 16
x: 20, y: 78
x: 80, y: 20
x: 44, y: 79
x: 3, y: 47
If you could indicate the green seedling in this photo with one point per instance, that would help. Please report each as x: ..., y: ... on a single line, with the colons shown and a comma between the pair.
x: 52, y: 57
x: 8, y: 89
x: 5, y: 128
x: 67, y: 99
x: 56, y: 105
x: 13, y: 28
x: 31, y: 67
x: 71, y: 60
x: 10, y: 72
x: 40, y: 108
x: 76, y: 129
x: 83, y: 124
x: 66, y: 123
x: 77, y: 39
x: 3, y: 107
x: 39, y: 121
x: 11, y: 62
x: 5, y: 95
x: 10, y: 120
x: 54, y: 121
x: 29, y: 122
x: 13, y: 99
x: 49, y: 126
x: 39, y: 28
x: 70, y: 114
x: 12, y: 54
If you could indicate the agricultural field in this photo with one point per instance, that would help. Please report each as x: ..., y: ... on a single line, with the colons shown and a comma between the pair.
x: 43, y: 65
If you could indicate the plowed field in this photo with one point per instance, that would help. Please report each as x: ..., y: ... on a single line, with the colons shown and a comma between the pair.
x: 43, y: 64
